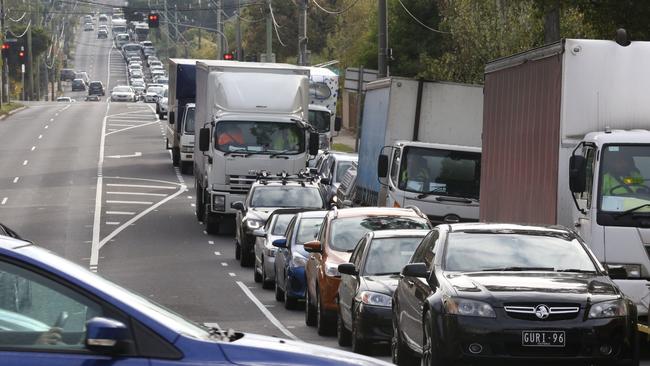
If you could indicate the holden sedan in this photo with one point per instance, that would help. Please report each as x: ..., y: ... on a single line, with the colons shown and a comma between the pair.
x: 498, y: 292
x: 75, y: 317
x: 123, y: 93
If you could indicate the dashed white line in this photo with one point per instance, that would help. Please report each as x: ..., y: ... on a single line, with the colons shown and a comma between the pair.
x: 231, y: 274
x: 16, y: 179
x: 266, y: 311
x: 51, y: 119
x: 126, y: 213
x: 113, y: 223
x: 139, y: 186
x: 47, y: 126
x: 40, y: 137
x: 139, y: 194
x: 131, y: 202
x: 224, y: 264
x: 4, y: 200
x: 25, y: 162
x: 211, y: 242
x: 33, y: 148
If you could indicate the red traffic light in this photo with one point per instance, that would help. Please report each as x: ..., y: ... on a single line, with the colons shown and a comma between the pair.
x: 228, y: 56
x: 5, y: 46
x: 153, y: 20
x: 21, y: 54
x: 153, y: 17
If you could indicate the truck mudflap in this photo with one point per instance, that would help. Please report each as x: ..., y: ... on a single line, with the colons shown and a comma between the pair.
x: 638, y: 291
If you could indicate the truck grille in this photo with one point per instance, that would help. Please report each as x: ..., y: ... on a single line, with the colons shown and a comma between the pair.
x: 240, y: 183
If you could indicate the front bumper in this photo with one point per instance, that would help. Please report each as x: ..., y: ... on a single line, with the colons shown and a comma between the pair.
x: 296, y: 283
x: 502, y: 339
x: 374, y: 323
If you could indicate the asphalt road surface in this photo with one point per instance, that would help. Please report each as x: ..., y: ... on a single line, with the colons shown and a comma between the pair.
x: 93, y: 182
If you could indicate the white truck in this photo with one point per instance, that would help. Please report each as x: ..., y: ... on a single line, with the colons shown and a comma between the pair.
x: 250, y: 117
x: 433, y: 127
x: 323, y: 95
x: 565, y: 141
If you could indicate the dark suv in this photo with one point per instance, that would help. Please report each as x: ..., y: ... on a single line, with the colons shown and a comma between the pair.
x: 96, y: 88
x: 78, y: 84
x: 67, y: 75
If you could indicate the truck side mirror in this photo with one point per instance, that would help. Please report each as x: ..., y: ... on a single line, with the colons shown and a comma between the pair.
x: 314, y: 143
x: 204, y: 139
x: 382, y: 166
x: 337, y: 124
x: 170, y: 117
x: 577, y: 174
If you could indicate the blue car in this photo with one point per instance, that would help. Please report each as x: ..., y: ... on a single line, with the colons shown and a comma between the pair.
x: 74, y: 317
x: 290, y: 259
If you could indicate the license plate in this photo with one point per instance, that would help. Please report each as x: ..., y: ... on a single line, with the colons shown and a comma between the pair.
x: 535, y: 338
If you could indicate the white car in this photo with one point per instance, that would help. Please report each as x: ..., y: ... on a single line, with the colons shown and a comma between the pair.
x: 154, y: 63
x: 89, y: 27
x: 136, y: 81
x: 136, y: 73
x: 146, y: 44
x: 153, y: 93
x: 157, y: 73
x: 65, y: 100
x: 123, y: 93
x: 161, y: 105
x: 161, y: 80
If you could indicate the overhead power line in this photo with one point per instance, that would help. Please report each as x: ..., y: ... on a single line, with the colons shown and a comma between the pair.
x: 419, y: 21
x: 19, y: 19
x: 25, y: 32
x: 335, y: 12
x: 276, y: 26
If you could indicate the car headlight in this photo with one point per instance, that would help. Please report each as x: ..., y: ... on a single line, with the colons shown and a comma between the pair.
x: 297, y: 260
x: 375, y: 299
x: 218, y: 203
x: 332, y: 269
x: 633, y: 270
x: 253, y: 224
x: 467, y: 307
x: 608, y: 309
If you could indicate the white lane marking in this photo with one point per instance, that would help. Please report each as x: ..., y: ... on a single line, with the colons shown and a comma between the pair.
x: 47, y: 126
x: 25, y: 162
x: 113, y: 223
x: 94, y: 248
x: 266, y: 312
x: 138, y: 186
x: 4, y: 200
x: 189, y: 197
x: 139, y: 194
x: 118, y: 125
x: 224, y: 264
x: 52, y: 119
x: 135, y: 155
x: 130, y: 202
x: 110, y: 236
x: 130, y: 128
x: 148, y: 180
x: 33, y: 148
x: 40, y: 137
x: 16, y: 179
x: 55, y: 115
x: 211, y: 242
x: 126, y: 213
x: 231, y: 274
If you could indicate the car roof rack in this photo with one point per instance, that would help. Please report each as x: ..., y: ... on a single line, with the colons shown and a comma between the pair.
x: 302, y: 177
x: 417, y: 211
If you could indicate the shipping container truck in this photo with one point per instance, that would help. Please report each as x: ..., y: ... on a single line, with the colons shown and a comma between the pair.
x: 435, y: 125
x: 182, y: 90
x: 250, y: 117
x: 323, y: 95
x: 565, y: 142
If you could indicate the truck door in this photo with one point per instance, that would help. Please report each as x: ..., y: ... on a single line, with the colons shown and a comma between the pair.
x: 395, y: 197
x: 582, y: 221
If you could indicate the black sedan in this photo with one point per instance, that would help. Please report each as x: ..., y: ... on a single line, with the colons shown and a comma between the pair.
x: 486, y: 292
x: 367, y: 285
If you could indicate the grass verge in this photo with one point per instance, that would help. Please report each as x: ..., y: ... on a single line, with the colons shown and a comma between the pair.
x: 342, y: 147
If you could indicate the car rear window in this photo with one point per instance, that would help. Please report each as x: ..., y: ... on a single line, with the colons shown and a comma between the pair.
x: 283, y: 196
x: 346, y: 232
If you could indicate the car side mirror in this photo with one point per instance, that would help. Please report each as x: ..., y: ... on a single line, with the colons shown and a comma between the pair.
x: 337, y: 124
x: 204, y: 139
x: 313, y: 246
x: 170, y: 117
x: 280, y: 243
x: 314, y: 143
x: 238, y: 205
x: 577, y: 174
x: 105, y: 335
x: 259, y: 233
x: 382, y: 166
x: 348, y: 269
x: 418, y: 270
x: 616, y: 272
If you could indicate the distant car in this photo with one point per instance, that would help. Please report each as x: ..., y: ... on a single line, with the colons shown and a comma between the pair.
x: 161, y: 80
x: 151, y: 59
x: 102, y: 34
x: 154, y: 63
x: 67, y: 75
x: 123, y: 93
x: 139, y: 91
x: 367, y: 285
x: 96, y: 88
x: 346, y: 193
x: 121, y: 39
x: 153, y: 93
x: 89, y: 27
x: 93, y: 97
x: 65, y: 100
x: 332, y: 170
x: 146, y: 44
x: 83, y: 76
x: 78, y: 85
x: 100, y: 322
x: 137, y: 80
x: 161, y: 105
x: 495, y: 293
x: 291, y: 257
x: 275, y: 228
x: 136, y: 73
x: 156, y: 67
x: 103, y: 18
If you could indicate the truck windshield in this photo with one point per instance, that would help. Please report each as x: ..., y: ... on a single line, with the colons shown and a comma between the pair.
x: 189, y: 121
x: 254, y: 137
x: 320, y: 120
x: 624, y: 176
x: 440, y: 172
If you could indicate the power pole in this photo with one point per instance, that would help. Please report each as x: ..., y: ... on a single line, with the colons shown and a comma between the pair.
x: 30, y: 67
x: 383, y: 40
x: 5, y: 66
x: 240, y: 51
x: 219, y: 27
x: 2, y: 61
x: 302, y: 34
x: 269, y: 32
x: 167, y: 19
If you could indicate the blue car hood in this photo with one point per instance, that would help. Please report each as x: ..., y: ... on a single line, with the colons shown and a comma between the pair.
x: 253, y: 349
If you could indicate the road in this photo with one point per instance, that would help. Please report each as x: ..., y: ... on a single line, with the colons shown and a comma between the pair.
x: 93, y: 182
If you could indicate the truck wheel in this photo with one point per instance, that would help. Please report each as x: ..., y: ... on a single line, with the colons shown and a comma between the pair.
x: 211, y: 223
x: 186, y: 167
x: 176, y: 156
x: 199, y: 207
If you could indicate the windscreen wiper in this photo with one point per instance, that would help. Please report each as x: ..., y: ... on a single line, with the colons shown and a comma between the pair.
x: 627, y: 212
x: 385, y: 273
x: 279, y: 154
x: 575, y: 270
x: 437, y: 190
x: 507, y: 269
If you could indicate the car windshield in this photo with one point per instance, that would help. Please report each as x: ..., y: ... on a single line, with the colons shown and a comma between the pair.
x: 341, y: 168
x: 320, y: 120
x: 122, y: 89
x: 625, y: 172
x: 485, y: 250
x: 155, y: 89
x: 281, y: 224
x: 259, y: 137
x: 440, y: 172
x: 286, y: 196
x: 389, y: 255
x: 189, y: 121
x: 346, y: 232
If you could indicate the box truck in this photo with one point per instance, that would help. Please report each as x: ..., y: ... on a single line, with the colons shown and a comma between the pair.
x: 323, y: 95
x: 564, y: 142
x: 250, y: 117
x: 435, y: 126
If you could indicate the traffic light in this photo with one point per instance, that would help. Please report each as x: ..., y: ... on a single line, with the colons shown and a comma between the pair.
x: 21, y: 55
x: 153, y: 19
x: 228, y: 56
x: 5, y: 49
